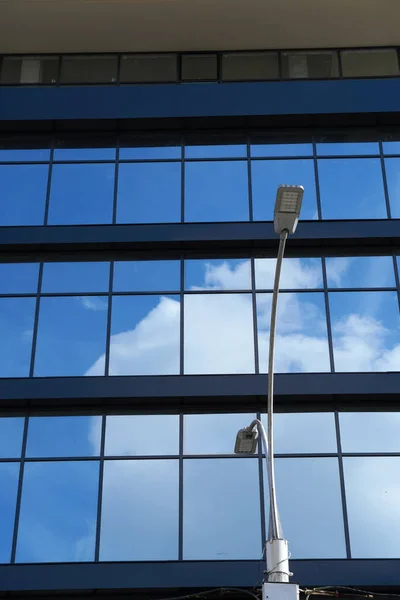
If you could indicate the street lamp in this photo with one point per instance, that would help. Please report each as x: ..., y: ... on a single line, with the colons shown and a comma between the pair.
x: 286, y: 216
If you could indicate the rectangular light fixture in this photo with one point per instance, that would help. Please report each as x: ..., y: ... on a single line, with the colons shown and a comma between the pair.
x: 246, y: 441
x: 287, y: 208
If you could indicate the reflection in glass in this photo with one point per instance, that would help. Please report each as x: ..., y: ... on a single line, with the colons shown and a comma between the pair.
x: 268, y: 175
x: 370, y: 431
x: 23, y: 191
x: 392, y: 147
x: 321, y: 64
x: 81, y: 194
x: 219, y: 523
x: 16, y: 326
x: 150, y: 152
x: 139, y: 519
x: 347, y: 148
x: 297, y: 273
x: 152, y: 68
x: 145, y: 335
x: 351, y: 188
x: 11, y: 430
x: 241, y: 66
x: 9, y: 473
x: 29, y: 70
x: 149, y: 193
x: 216, y: 151
x: 312, y: 521
x: 268, y: 150
x: 63, y: 436
x: 373, y: 506
x: 147, y: 276
x: 217, y: 274
x: 370, y: 63
x: 18, y: 278
x: 89, y: 69
x: 58, y: 512
x: 142, y: 435
x: 213, y: 434
x: 218, y: 333
x: 393, y: 181
x: 365, y: 330
x: 79, y: 277
x: 216, y: 191
x: 24, y: 155
x: 71, y: 336
x: 197, y: 67
x: 82, y: 154
x: 298, y: 433
x: 360, y: 272
x: 301, y: 339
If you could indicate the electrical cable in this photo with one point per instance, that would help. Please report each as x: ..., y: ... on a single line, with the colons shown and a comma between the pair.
x: 204, y: 594
x: 331, y: 590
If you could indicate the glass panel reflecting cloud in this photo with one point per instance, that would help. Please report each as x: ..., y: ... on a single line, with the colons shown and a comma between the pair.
x: 58, y: 512
x: 217, y: 274
x: 23, y: 191
x: 145, y: 435
x: 347, y: 148
x: 147, y: 276
x: 63, y: 436
x: 78, y: 277
x: 365, y: 330
x: 267, y: 150
x: 18, y: 278
x: 393, y: 181
x: 297, y: 273
x: 218, y: 522
x: 297, y: 433
x: 9, y: 473
x: 370, y: 431
x: 11, y: 431
x: 360, y: 272
x: 16, y: 326
x: 221, y: 151
x: 140, y: 510
x: 213, y: 434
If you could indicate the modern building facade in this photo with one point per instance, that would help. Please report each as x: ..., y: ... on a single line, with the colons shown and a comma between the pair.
x: 141, y: 145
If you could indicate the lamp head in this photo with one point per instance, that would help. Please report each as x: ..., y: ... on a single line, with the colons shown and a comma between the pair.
x: 287, y: 208
x: 246, y: 441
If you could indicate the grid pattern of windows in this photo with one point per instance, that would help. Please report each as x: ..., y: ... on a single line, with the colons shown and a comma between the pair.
x: 198, y: 316
x: 165, y: 487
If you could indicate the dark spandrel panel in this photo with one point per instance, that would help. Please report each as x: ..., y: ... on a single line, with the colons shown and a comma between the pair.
x: 145, y: 335
x: 150, y: 153
x: 139, y: 519
x: 298, y: 433
x: 269, y: 174
x: 302, y: 341
x: 23, y: 191
x: 271, y: 150
x: 391, y: 147
x: 365, y: 330
x: 147, y: 276
x: 77, y: 277
x: 63, y: 436
x: 217, y: 274
x: 149, y: 193
x: 11, y: 431
x: 221, y: 509
x: 58, y: 512
x: 297, y: 273
x: 310, y: 65
x: 213, y: 434
x: 29, y: 70
x: 82, y: 154
x: 24, y: 155
x: 16, y: 326
x: 360, y: 272
x: 216, y: 191
x: 142, y: 435
x: 393, y: 181
x: 219, y: 334
x: 216, y: 151
x: 198, y: 67
x: 89, y: 69
x: 81, y: 194
x: 370, y: 431
x: 347, y: 148
x: 71, y: 336
x: 150, y: 68
x: 242, y: 66
x: 18, y: 278
x: 351, y: 188
x: 373, y: 506
x: 312, y: 522
x: 370, y: 63
x: 9, y: 473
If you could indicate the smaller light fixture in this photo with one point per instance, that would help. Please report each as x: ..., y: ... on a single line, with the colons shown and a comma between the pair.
x: 246, y: 441
x: 287, y: 208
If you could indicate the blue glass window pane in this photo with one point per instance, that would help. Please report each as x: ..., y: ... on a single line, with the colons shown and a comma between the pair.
x: 269, y: 174
x: 19, y: 278
x: 391, y: 147
x: 216, y: 191
x: 145, y: 335
x: 217, y: 274
x: 222, y: 151
x: 139, y: 518
x: 23, y: 191
x: 11, y: 431
x: 218, y: 335
x: 365, y: 330
x: 9, y: 473
x: 267, y: 150
x: 351, y: 188
x: 347, y: 148
x: 16, y: 326
x: 151, y: 153
x: 301, y: 342
x: 59, y: 277
x: 393, y: 182
x: 147, y: 276
x: 82, y: 154
x: 213, y: 434
x: 71, y: 336
x: 370, y: 432
x: 219, y: 523
x: 58, y: 512
x: 149, y: 193
x: 297, y: 433
x: 24, y: 155
x: 297, y: 273
x: 81, y: 194
x: 63, y: 436
x: 360, y: 272
x: 142, y: 435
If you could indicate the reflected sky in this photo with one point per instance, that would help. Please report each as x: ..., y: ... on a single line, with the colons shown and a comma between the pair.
x: 18, y: 278
x: 267, y: 150
x: 147, y: 276
x: 360, y: 272
x: 140, y: 435
x: 213, y: 434
x: 297, y: 433
x: 393, y: 181
x: 63, y: 436
x: 9, y: 473
x: 24, y: 155
x: 78, y: 277
x: 23, y: 190
x: 150, y: 153
x: 80, y: 154
x: 11, y: 430
x: 216, y: 151
x: 297, y: 273
x: 217, y: 274
x: 16, y: 326
x: 347, y: 148
x: 370, y: 432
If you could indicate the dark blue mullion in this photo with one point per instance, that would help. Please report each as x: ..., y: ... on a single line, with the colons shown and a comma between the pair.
x: 397, y: 277
x: 342, y: 487
x: 328, y: 316
x: 48, y: 190
x: 100, y: 489
x: 316, y: 175
x: 255, y: 323
x: 262, y: 495
x: 181, y: 508
x: 19, y: 490
x: 116, y: 175
x: 385, y: 185
x: 36, y: 320
x: 182, y: 318
x: 109, y: 318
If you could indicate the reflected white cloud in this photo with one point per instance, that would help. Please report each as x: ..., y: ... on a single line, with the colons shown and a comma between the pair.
x: 94, y: 303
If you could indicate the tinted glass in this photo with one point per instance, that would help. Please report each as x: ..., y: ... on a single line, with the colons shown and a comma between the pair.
x: 197, y: 67
x: 393, y: 181
x: 352, y: 188
x: 11, y: 430
x: 29, y: 70
x: 131, y: 435
x: 80, y: 154
x: 370, y: 63
x: 370, y: 432
x: 347, y: 148
x: 16, y: 326
x: 150, y: 152
x: 267, y: 150
x: 24, y: 155
x: 9, y: 473
x: 218, y: 336
x: 218, y: 522
x: 141, y: 68
x: 63, y: 436
x: 391, y: 147
x: 147, y: 276
x: 216, y: 191
x: 81, y: 194
x: 89, y: 69
x: 71, y: 336
x: 216, y: 151
x: 240, y: 66
x: 313, y: 65
x: 149, y: 193
x: 304, y: 432
x: 297, y: 273
x: 23, y: 190
x: 18, y: 278
x: 78, y: 277
x: 360, y: 272
x: 213, y: 434
x: 217, y: 274
x: 58, y: 512
x: 145, y: 335
x: 268, y: 175
x: 139, y: 518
